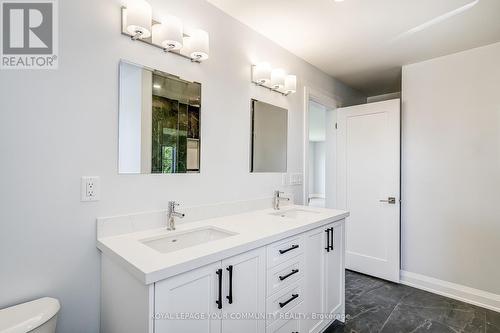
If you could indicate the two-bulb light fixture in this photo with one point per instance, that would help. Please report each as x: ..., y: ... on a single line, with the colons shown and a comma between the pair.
x: 274, y: 79
x: 167, y: 33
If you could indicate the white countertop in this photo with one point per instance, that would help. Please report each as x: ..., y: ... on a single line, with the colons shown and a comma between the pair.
x: 253, y: 230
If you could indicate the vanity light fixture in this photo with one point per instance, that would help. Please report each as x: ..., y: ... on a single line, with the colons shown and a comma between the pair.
x: 199, y: 45
x: 290, y: 84
x: 167, y: 34
x: 274, y: 79
x: 278, y: 78
x: 262, y: 73
x: 139, y: 16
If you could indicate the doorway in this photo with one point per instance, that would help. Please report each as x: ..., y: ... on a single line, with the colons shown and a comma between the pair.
x: 319, y: 149
x: 317, y: 157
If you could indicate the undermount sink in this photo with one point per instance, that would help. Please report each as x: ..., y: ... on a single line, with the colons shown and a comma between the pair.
x: 185, y: 239
x: 295, y: 213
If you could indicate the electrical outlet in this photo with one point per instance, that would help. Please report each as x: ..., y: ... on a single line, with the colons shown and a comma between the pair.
x: 90, y: 187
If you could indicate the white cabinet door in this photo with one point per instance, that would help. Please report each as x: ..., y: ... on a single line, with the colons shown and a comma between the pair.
x: 192, y: 293
x: 334, y: 274
x: 244, y: 291
x: 315, y: 252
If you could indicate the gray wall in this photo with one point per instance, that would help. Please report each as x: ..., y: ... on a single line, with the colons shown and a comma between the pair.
x: 451, y: 168
x: 56, y: 126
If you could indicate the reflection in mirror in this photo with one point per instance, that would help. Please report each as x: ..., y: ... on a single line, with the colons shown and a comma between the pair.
x: 159, y: 123
x: 269, y: 138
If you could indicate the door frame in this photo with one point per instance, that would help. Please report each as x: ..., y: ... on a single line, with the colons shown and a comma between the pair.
x: 330, y: 102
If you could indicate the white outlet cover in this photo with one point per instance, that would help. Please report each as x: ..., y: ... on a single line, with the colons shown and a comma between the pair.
x: 90, y: 188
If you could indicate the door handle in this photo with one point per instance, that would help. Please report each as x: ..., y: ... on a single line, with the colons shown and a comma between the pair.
x: 219, y: 301
x: 230, y: 296
x: 390, y: 200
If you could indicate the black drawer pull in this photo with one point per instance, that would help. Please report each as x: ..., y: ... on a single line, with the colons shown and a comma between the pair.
x: 289, y: 249
x: 219, y: 301
x: 283, y: 277
x: 331, y: 239
x: 294, y: 296
x: 327, y: 248
x: 230, y: 296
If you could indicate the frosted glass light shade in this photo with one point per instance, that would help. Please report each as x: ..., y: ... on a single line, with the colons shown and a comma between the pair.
x: 278, y: 78
x: 157, y: 33
x: 186, y: 46
x: 139, y: 17
x: 199, y: 45
x: 170, y: 34
x: 262, y: 73
x: 290, y: 84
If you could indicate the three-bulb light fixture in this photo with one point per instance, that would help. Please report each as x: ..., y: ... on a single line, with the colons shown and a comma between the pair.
x: 274, y: 79
x: 168, y: 33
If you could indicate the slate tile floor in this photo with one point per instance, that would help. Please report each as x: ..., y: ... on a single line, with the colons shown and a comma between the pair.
x: 374, y: 305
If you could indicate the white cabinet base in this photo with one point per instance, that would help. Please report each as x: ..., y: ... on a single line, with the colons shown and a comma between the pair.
x: 261, y: 279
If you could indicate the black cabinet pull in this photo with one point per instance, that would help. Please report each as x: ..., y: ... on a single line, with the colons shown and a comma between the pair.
x: 219, y: 301
x: 230, y: 296
x: 294, y: 296
x: 289, y: 249
x: 283, y: 277
x: 331, y: 239
x: 327, y: 248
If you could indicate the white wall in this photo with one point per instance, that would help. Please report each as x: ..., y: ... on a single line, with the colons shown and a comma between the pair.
x: 317, y: 156
x: 451, y: 168
x: 56, y: 126
x: 310, y: 166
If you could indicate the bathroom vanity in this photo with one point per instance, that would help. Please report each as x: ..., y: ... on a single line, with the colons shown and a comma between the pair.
x: 258, y: 271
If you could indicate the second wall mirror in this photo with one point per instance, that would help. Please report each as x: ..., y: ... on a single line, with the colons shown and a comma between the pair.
x: 269, y: 138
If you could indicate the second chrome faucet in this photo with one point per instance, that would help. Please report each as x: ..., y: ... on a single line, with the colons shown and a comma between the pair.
x: 172, y: 214
x: 277, y: 198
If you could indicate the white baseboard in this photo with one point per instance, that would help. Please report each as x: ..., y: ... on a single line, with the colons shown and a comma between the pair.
x: 452, y: 290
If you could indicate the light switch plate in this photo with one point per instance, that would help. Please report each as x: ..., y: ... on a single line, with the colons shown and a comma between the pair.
x: 295, y: 179
x: 90, y: 188
x: 284, y: 179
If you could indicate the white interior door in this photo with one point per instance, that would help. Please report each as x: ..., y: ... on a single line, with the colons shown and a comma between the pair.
x: 368, y: 186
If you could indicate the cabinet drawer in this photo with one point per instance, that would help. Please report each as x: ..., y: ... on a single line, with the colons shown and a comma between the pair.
x: 285, y: 274
x: 284, y: 301
x: 290, y: 324
x: 284, y: 250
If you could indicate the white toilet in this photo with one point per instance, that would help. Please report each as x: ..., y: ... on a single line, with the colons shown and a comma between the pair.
x: 38, y: 316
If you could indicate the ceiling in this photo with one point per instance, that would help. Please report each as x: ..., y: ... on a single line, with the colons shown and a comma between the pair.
x: 364, y: 43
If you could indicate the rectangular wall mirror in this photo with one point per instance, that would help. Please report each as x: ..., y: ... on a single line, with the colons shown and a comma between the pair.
x: 269, y: 138
x: 159, y: 122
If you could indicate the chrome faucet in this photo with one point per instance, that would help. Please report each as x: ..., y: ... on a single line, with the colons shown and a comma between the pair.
x: 277, y: 198
x: 172, y: 214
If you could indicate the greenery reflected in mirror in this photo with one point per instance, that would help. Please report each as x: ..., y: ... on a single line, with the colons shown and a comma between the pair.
x: 159, y: 122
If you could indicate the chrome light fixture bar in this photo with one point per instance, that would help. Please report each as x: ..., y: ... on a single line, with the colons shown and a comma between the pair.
x: 168, y: 35
x: 274, y: 79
